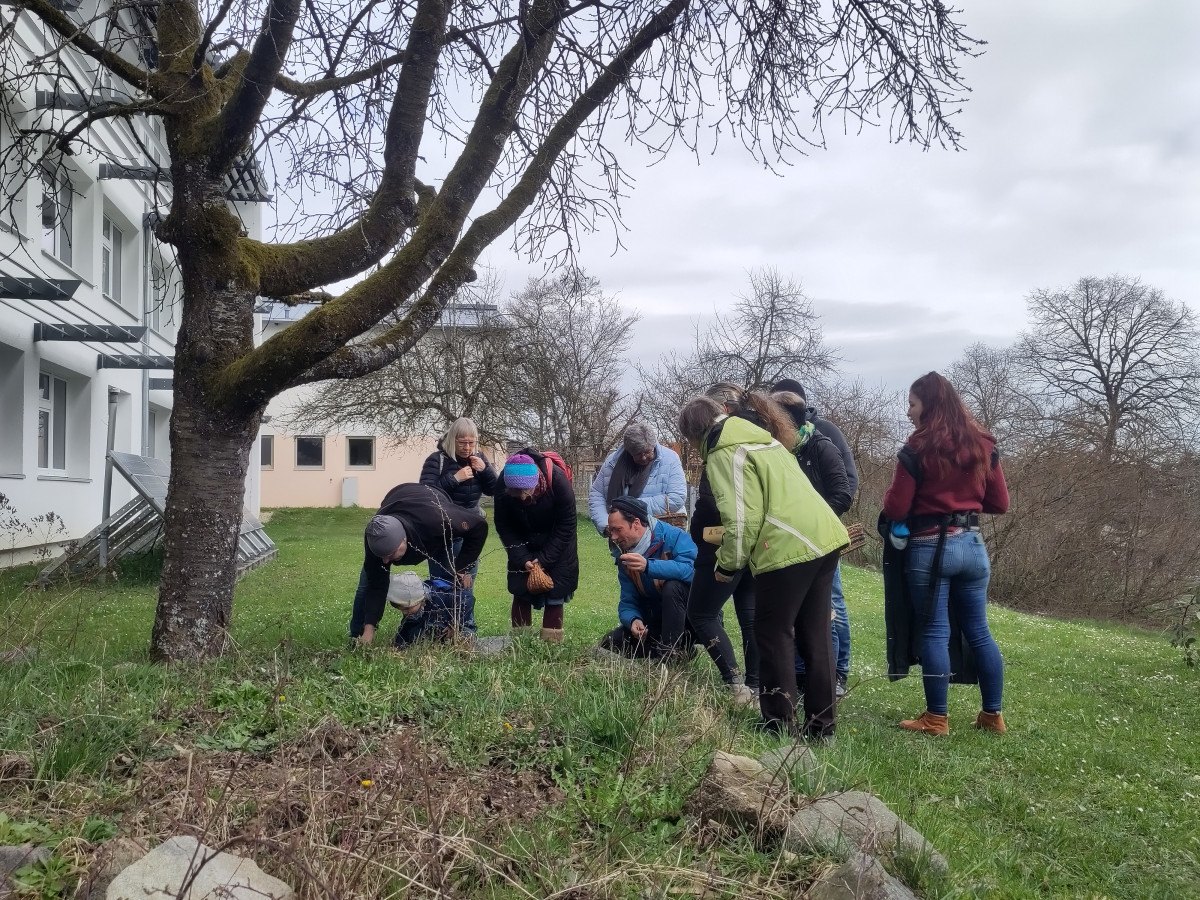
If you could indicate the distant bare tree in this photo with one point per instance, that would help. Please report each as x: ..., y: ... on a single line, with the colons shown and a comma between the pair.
x: 566, y: 389
x: 1118, y: 353
x: 772, y: 333
x: 996, y: 386
x: 462, y: 367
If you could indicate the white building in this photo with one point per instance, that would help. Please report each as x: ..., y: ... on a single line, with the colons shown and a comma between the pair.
x: 88, y: 297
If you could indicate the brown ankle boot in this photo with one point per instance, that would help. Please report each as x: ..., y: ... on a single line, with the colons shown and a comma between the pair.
x: 928, y: 723
x: 552, y: 635
x: 990, y: 722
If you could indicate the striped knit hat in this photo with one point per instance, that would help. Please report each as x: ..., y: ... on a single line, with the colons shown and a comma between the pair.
x: 520, y: 471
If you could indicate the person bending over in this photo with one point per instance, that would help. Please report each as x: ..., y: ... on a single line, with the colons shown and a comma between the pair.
x: 654, y: 570
x: 415, y: 522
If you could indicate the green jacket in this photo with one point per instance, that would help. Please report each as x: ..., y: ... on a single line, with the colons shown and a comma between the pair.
x: 773, y: 516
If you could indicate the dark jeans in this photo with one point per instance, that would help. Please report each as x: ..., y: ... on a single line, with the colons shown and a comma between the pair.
x: 840, y: 631
x: 963, y: 581
x: 793, y: 608
x: 368, y: 605
x: 446, y: 573
x: 705, y: 602
x: 657, y: 642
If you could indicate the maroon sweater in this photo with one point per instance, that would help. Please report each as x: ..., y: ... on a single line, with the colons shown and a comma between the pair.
x: 958, y: 491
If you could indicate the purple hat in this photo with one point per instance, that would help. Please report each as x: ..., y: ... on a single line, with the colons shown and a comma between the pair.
x: 520, y: 471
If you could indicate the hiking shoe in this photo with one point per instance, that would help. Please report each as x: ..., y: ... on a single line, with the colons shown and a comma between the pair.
x: 987, y: 721
x: 742, y: 695
x: 929, y: 723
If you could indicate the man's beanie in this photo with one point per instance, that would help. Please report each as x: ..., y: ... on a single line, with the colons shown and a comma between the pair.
x: 790, y: 384
x: 521, y: 472
x: 384, y: 535
x: 632, y: 508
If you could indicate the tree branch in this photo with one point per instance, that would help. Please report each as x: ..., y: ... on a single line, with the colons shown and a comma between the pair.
x: 244, y: 109
x: 85, y: 43
x: 294, y: 268
x: 305, y: 89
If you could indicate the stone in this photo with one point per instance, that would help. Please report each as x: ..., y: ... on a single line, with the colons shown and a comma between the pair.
x: 793, y: 759
x: 862, y: 877
x: 603, y: 654
x: 161, y: 873
x: 856, y: 821
x: 18, y: 856
x: 494, y: 645
x: 737, y: 791
x: 112, y: 857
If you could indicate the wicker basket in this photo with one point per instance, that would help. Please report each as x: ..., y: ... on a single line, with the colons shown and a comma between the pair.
x: 678, y: 519
x: 858, y: 537
x: 537, y: 581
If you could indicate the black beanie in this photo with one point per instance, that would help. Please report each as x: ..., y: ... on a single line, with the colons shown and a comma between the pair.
x: 631, y: 508
x: 790, y: 384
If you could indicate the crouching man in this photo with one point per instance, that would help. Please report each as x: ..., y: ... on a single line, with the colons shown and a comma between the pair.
x: 415, y: 522
x: 655, y: 570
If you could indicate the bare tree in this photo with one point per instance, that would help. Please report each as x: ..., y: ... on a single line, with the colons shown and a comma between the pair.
x: 1117, y: 354
x: 343, y: 103
x: 773, y: 332
x: 567, y: 389
x: 995, y: 385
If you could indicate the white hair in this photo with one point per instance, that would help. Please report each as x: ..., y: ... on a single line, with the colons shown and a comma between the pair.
x: 462, y: 427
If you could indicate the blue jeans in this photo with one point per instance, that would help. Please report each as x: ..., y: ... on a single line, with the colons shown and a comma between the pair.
x: 841, y: 631
x: 963, y: 581
x: 437, y: 569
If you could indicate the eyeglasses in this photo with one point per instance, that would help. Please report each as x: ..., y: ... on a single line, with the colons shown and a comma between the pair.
x: 464, y: 442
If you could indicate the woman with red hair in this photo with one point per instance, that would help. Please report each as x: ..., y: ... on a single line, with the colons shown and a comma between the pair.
x: 948, y: 473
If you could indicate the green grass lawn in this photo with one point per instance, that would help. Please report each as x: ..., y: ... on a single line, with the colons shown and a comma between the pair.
x: 1095, y: 792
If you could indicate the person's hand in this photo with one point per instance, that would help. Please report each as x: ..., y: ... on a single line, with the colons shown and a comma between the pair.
x: 639, y: 629
x: 464, y: 473
x: 529, y: 565
x: 477, y: 464
x: 722, y: 577
x: 634, y: 562
x: 467, y: 580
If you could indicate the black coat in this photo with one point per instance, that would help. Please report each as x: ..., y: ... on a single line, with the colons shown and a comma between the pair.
x: 822, y: 462
x: 834, y: 433
x: 439, y: 471
x: 905, y: 628
x: 432, y: 523
x: 546, y: 529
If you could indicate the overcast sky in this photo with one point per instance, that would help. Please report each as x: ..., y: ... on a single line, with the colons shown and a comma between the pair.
x: 1082, y: 156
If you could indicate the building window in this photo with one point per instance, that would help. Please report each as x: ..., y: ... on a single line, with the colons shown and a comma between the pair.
x: 110, y: 260
x: 360, y: 453
x: 266, y: 451
x: 52, y: 423
x: 310, y: 453
x: 57, y: 205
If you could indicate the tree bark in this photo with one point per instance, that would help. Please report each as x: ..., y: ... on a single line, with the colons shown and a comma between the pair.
x: 211, y: 433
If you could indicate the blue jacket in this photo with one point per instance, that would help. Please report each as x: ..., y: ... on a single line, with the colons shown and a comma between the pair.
x: 666, y: 484
x: 671, y: 557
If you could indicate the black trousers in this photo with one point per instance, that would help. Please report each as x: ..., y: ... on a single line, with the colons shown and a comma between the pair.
x: 658, y: 642
x: 792, y: 612
x: 705, y: 603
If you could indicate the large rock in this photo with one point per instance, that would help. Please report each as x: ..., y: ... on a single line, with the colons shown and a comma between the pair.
x: 112, y: 858
x: 494, y: 645
x: 862, y: 877
x: 738, y: 791
x: 855, y: 821
x: 794, y: 759
x: 161, y: 873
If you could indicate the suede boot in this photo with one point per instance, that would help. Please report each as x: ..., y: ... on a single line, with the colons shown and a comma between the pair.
x: 928, y: 723
x: 552, y: 635
x: 987, y: 721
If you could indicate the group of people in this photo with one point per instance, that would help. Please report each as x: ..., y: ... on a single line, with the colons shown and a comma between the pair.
x: 765, y: 532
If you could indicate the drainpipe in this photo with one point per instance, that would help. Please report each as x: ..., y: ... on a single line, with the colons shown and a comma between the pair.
x: 146, y: 320
x: 106, y: 511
